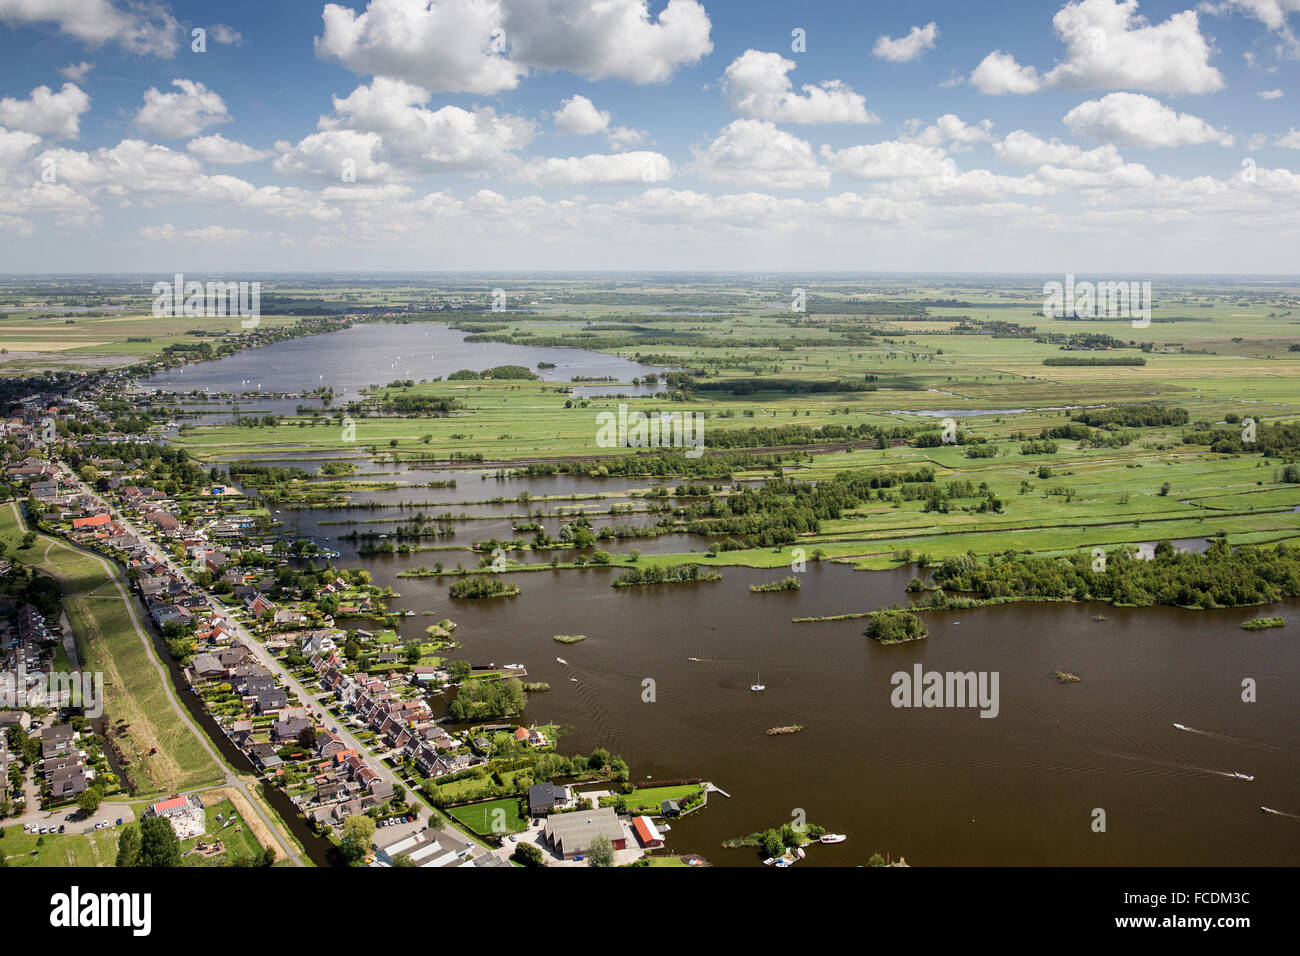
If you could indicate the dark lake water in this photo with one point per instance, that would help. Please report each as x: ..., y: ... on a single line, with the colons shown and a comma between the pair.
x: 937, y: 786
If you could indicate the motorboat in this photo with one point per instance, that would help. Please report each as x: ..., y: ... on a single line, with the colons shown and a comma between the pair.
x: 561, y: 660
x: 1241, y: 776
x: 1179, y: 727
x: 833, y: 838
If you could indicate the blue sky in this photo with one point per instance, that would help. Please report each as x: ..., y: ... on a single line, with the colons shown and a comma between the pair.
x: 571, y: 134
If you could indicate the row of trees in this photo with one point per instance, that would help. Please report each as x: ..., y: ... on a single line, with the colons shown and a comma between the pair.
x: 657, y: 574
x: 1221, y: 577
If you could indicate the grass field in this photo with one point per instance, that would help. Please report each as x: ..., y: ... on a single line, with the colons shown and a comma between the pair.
x: 97, y: 848
x: 494, y: 816
x: 651, y: 798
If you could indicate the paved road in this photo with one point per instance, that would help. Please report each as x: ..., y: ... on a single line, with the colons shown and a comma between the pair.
x: 231, y: 780
x: 262, y: 654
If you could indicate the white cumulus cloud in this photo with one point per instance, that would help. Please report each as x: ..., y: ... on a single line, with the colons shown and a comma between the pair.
x: 948, y: 130
x: 756, y: 85
x: 595, y: 169
x: 187, y: 112
x: 139, y: 28
x: 55, y: 115
x: 892, y: 159
x: 578, y: 116
x: 485, y: 46
x: 1131, y: 119
x: 1108, y: 44
x: 220, y: 151
x: 909, y: 47
x: 757, y: 153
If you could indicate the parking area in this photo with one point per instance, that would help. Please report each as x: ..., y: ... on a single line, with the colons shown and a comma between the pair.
x: 72, y: 820
x: 71, y: 825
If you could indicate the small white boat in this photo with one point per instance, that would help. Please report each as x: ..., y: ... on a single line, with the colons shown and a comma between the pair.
x: 1270, y: 810
x: 759, y: 686
x: 833, y: 838
x: 1179, y: 727
x: 768, y: 862
x: 561, y: 660
x: 573, y: 680
x: 1241, y: 776
x: 784, y: 862
x: 694, y: 660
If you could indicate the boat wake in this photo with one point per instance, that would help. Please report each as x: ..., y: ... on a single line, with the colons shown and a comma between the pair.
x: 1280, y: 813
x: 1236, y: 740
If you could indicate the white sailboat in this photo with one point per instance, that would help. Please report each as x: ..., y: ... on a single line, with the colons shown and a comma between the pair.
x: 759, y: 685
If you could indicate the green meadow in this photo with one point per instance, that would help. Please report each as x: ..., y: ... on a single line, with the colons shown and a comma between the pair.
x: 1221, y: 350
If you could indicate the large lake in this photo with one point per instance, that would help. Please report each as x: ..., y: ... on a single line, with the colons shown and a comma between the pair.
x: 363, y: 355
x: 938, y: 786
